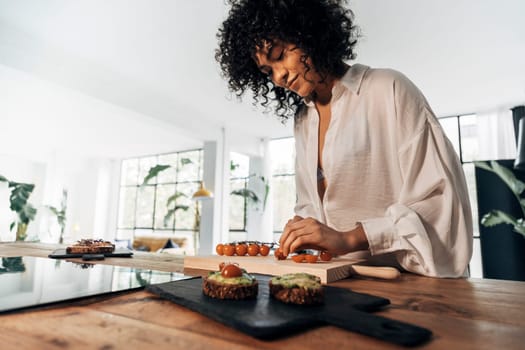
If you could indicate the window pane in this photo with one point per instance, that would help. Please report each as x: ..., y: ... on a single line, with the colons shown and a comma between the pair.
x: 475, y: 265
x: 284, y: 198
x: 185, y: 218
x: 237, y: 236
x: 496, y: 137
x: 470, y: 176
x: 189, y: 166
x: 450, y: 127
x: 168, y: 175
x: 126, y: 214
x: 145, y: 200
x: 164, y: 192
x: 469, y: 137
x: 145, y: 164
x: 124, y: 234
x: 283, y: 156
x: 240, y: 164
x: 129, y: 173
x: 237, y: 206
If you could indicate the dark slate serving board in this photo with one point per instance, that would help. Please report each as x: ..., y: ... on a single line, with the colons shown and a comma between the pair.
x: 117, y: 253
x: 268, y: 318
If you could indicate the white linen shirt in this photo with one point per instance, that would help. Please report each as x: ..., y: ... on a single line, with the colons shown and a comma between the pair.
x: 389, y: 166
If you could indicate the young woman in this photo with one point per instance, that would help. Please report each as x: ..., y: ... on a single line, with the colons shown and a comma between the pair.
x: 374, y: 171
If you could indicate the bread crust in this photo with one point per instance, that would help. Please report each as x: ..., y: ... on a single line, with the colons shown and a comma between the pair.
x: 297, y: 295
x: 294, y: 294
x: 217, y: 290
x: 91, y: 246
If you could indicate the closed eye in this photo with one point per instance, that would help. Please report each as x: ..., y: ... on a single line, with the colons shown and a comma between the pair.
x: 276, y: 54
x: 266, y: 71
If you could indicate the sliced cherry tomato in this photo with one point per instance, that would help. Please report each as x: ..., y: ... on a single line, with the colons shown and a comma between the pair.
x: 310, y: 258
x: 299, y: 258
x: 220, y: 249
x: 229, y: 249
x: 231, y: 270
x: 264, y: 250
x: 325, y: 256
x: 279, y: 254
x: 241, y: 249
x: 253, y: 249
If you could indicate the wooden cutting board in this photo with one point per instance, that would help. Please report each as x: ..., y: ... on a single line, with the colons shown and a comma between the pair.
x: 328, y: 271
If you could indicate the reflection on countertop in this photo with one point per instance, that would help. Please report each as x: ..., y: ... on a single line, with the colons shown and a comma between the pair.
x: 29, y: 281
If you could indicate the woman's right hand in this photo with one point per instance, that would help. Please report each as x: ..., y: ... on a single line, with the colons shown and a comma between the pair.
x: 300, y: 233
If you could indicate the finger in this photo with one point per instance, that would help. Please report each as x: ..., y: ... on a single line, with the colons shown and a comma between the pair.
x: 286, y: 231
x: 305, y: 241
x: 293, y: 235
x: 297, y: 218
x: 309, y: 237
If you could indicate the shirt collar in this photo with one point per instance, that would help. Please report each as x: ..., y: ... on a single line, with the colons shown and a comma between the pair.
x: 351, y: 80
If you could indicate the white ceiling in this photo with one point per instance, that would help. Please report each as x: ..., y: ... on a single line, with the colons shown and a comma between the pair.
x: 155, y: 59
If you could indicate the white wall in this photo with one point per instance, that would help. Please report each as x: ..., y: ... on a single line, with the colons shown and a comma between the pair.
x: 60, y: 139
x: 39, y: 118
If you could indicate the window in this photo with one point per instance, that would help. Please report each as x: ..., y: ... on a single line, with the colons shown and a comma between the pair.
x: 143, y: 209
x: 282, y: 182
x: 479, y: 137
x: 239, y: 176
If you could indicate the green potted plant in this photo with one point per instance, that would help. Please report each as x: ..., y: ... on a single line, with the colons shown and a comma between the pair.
x: 20, y: 193
x: 60, y: 214
x: 517, y: 187
x: 501, y: 208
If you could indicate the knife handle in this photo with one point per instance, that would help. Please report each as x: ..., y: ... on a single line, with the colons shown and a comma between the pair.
x: 376, y: 326
x: 384, y: 272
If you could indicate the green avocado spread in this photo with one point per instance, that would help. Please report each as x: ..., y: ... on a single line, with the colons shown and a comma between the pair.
x: 300, y: 280
x: 244, y: 279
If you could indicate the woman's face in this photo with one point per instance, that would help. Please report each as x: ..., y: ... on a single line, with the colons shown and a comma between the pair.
x: 285, y: 64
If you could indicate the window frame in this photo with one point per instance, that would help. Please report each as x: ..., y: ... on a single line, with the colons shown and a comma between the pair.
x: 153, y: 229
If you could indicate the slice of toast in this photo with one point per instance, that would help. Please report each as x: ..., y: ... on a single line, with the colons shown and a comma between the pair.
x: 297, y: 288
x: 91, y: 246
x: 237, y: 288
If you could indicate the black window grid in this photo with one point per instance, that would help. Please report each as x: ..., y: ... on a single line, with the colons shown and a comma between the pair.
x: 153, y: 227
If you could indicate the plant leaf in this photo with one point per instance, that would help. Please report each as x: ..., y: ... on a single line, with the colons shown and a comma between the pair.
x: 172, y: 212
x: 27, y: 213
x: 496, y: 217
x: 174, y: 198
x: 515, y: 185
x: 520, y: 227
x: 3, y: 179
x: 246, y: 193
x: 483, y: 165
x: 233, y: 165
x: 154, y: 171
x: 184, y: 161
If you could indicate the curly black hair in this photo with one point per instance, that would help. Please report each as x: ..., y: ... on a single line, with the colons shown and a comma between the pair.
x: 323, y: 29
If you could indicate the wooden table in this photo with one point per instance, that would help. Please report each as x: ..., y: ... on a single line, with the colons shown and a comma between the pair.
x: 462, y: 314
